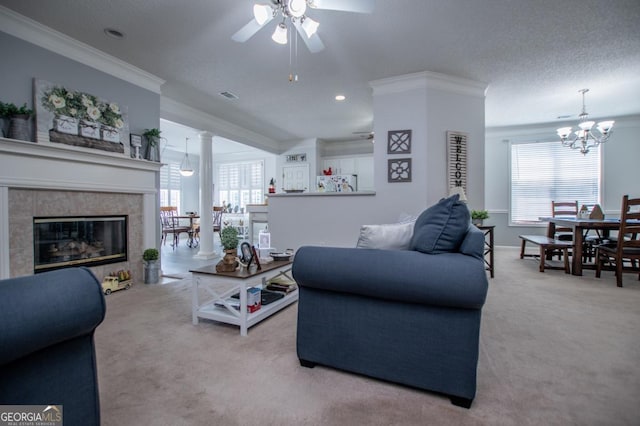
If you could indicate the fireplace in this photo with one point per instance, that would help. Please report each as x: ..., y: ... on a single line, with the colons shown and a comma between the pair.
x: 61, y: 242
x: 52, y: 180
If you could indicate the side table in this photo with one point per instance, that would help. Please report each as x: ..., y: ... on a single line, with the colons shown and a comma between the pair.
x: 488, y: 246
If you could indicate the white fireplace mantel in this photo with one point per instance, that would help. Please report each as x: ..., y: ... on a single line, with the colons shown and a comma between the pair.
x: 52, y: 166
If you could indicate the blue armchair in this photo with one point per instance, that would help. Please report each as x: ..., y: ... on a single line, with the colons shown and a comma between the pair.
x: 47, y: 354
x: 405, y: 316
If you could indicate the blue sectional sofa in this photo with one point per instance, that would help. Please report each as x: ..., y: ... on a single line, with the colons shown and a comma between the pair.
x: 410, y: 316
x: 47, y: 354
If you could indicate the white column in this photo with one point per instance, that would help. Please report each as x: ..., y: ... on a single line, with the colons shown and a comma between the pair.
x: 206, y: 197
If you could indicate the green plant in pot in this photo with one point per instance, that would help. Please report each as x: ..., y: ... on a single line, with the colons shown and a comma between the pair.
x: 151, y: 270
x: 229, y: 239
x: 478, y: 216
x: 19, y: 120
x: 153, y: 142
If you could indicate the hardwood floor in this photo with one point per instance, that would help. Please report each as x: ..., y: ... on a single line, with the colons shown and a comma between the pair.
x: 179, y: 260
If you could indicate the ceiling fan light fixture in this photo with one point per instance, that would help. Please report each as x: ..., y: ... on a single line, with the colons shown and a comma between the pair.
x: 309, y: 26
x: 262, y: 13
x: 280, y: 34
x: 296, y: 8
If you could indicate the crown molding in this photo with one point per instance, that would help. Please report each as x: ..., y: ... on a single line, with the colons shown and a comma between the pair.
x: 180, y: 113
x: 430, y: 80
x: 33, y: 32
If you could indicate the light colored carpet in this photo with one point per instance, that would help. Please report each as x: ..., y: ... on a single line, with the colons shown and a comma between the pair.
x: 555, y: 350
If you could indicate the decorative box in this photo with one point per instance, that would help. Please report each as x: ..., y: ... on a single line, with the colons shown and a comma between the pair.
x: 254, y: 299
x: 65, y: 124
x: 110, y: 134
x: 89, y: 129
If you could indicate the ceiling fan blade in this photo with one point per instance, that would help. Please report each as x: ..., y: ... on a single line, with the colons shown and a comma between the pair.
x: 246, y: 32
x: 314, y: 44
x: 358, y: 6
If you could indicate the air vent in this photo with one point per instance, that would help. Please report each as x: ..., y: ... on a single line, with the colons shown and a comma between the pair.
x: 228, y: 95
x: 112, y: 32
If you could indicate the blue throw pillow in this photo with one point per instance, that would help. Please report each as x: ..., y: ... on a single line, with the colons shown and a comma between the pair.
x: 442, y: 227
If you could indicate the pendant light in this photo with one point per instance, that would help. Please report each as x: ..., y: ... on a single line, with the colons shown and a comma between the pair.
x: 185, y: 167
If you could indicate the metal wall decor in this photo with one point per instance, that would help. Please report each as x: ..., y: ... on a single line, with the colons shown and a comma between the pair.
x: 399, y: 170
x: 399, y: 142
x: 457, y: 159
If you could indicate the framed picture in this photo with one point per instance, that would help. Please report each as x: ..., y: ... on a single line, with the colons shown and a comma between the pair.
x: 264, y: 240
x: 256, y: 258
x: 247, y: 253
x: 72, y: 117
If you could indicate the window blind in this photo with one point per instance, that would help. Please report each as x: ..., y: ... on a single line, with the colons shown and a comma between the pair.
x: 170, y: 185
x: 241, y: 183
x: 546, y: 171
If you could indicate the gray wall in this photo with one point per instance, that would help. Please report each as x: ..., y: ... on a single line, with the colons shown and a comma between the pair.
x: 620, y: 171
x: 429, y: 112
x: 23, y: 61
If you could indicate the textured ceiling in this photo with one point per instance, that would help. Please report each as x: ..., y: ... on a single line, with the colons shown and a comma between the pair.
x: 534, y: 56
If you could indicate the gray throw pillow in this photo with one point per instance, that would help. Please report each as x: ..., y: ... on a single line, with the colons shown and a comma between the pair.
x: 442, y: 227
x: 393, y: 236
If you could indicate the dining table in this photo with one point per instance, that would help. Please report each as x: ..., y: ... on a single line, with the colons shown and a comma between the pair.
x: 192, y: 241
x: 580, y: 227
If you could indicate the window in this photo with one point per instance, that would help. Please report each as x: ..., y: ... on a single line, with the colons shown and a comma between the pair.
x: 170, y: 185
x: 546, y: 171
x: 240, y: 184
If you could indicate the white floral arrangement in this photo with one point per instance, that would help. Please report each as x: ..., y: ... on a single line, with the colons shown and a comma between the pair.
x: 82, y: 106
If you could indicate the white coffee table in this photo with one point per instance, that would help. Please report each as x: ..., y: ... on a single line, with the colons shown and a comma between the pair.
x: 222, y: 285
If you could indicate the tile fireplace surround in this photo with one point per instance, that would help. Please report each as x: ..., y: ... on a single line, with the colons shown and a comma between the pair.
x: 44, y: 179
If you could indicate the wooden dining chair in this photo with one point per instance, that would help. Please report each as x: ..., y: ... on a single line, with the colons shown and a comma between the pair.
x: 591, y: 237
x: 564, y: 208
x: 171, y: 225
x: 623, y: 254
x: 217, y: 219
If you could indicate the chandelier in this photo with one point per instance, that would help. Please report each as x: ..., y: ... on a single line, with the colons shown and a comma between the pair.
x: 292, y: 9
x: 585, y: 137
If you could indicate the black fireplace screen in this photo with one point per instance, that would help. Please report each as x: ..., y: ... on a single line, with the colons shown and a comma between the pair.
x: 61, y: 242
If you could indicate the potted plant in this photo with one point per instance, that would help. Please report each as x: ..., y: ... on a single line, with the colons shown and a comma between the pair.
x: 4, y: 118
x: 229, y: 239
x: 478, y: 216
x: 150, y: 257
x: 153, y: 141
x: 19, y: 120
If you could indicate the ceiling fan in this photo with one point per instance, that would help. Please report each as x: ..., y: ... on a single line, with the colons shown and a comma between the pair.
x: 294, y: 11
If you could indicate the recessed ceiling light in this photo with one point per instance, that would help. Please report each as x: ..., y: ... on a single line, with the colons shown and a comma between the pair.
x: 112, y: 32
x: 340, y: 98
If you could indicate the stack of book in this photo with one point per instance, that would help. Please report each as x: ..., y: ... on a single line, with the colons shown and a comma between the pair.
x: 281, y: 283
